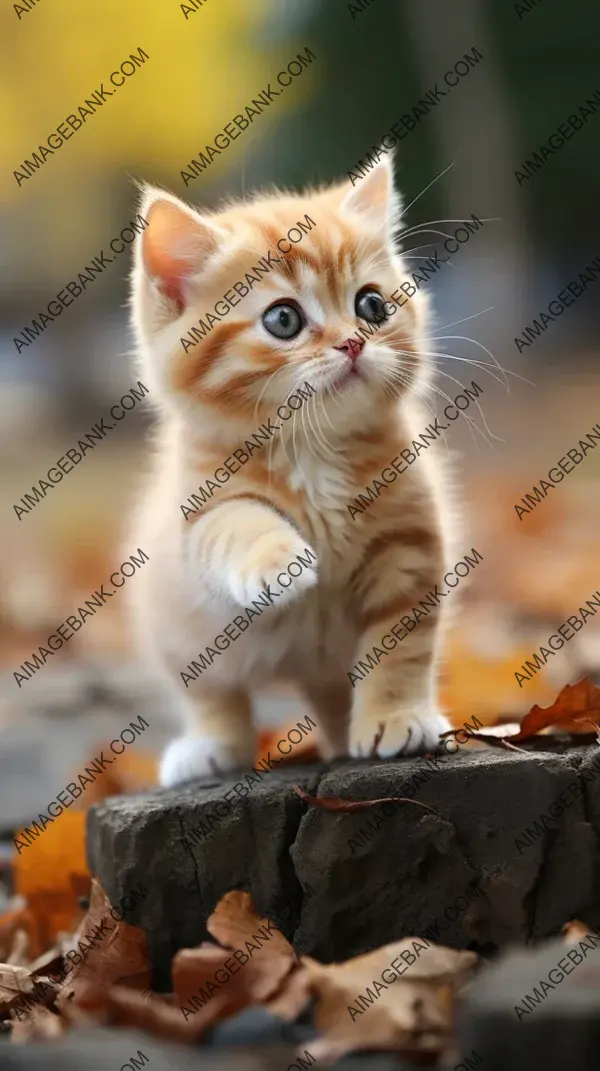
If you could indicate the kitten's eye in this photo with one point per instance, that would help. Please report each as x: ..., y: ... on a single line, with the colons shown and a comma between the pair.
x: 368, y: 305
x: 283, y: 321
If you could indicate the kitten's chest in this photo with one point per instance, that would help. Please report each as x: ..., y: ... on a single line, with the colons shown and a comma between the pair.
x: 323, y: 491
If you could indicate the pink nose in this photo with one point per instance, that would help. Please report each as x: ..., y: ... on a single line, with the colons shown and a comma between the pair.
x: 351, y: 347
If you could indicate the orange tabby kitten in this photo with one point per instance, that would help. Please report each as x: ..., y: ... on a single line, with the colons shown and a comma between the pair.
x: 213, y: 389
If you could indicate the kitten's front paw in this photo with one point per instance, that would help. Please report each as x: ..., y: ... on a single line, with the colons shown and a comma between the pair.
x: 195, y: 756
x: 265, y: 569
x: 413, y: 728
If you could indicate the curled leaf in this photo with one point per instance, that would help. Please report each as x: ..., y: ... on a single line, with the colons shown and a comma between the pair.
x: 336, y: 803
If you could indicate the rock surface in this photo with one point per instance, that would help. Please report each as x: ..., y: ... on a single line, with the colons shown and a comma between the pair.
x: 112, y: 1050
x: 338, y: 884
x: 536, y: 1009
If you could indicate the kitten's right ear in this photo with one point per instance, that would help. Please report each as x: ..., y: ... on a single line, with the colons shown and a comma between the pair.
x: 175, y: 246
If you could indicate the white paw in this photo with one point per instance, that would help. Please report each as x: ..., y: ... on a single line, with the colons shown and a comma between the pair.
x: 405, y: 732
x: 194, y: 756
x: 268, y: 575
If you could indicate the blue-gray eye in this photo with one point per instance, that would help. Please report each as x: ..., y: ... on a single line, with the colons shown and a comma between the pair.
x: 283, y: 321
x: 368, y: 304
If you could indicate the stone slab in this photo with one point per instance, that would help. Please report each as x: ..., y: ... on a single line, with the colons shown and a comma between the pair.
x: 468, y: 874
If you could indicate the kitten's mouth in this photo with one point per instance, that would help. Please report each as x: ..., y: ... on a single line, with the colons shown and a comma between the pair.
x: 348, y: 377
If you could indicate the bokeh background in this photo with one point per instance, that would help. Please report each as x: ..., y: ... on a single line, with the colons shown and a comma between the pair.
x: 371, y: 67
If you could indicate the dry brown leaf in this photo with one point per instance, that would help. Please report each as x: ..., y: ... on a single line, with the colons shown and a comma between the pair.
x: 235, y: 924
x: 119, y: 955
x: 292, y: 997
x: 19, y: 953
x: 196, y: 988
x: 336, y: 803
x: 576, y: 709
x: 14, y: 982
x: 20, y: 918
x: 575, y: 705
x: 49, y: 962
x: 37, y: 1024
x: 411, y: 1013
x: 120, y: 1006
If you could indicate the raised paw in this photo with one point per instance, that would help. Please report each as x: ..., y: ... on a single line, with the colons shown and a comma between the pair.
x: 403, y: 732
x: 265, y: 569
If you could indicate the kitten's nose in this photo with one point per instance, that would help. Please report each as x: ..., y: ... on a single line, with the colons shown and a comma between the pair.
x: 351, y: 347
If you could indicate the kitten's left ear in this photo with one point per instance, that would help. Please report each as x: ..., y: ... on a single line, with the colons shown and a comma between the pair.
x: 176, y: 245
x: 375, y: 199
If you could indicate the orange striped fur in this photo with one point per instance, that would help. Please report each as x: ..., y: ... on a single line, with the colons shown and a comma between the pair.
x: 293, y: 493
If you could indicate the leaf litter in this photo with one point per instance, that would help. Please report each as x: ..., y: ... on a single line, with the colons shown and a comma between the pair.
x: 110, y: 986
x: 360, y: 1004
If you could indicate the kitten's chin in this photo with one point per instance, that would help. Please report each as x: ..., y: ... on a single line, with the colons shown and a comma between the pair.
x: 347, y: 379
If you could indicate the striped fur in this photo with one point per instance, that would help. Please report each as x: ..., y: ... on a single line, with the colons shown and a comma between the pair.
x: 294, y: 492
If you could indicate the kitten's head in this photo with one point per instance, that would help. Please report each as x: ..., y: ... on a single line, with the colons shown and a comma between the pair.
x: 235, y: 309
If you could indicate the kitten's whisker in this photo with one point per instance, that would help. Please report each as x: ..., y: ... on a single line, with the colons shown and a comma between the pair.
x: 407, y: 233
x: 481, y: 365
x: 454, y: 380
x: 427, y: 187
x: 470, y: 420
x: 476, y: 342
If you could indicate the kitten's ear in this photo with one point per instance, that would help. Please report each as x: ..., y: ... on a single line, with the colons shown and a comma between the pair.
x: 176, y: 245
x: 375, y: 199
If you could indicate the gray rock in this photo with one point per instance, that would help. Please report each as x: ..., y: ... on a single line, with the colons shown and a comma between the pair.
x: 112, y: 1050
x: 557, y: 1024
x: 338, y: 884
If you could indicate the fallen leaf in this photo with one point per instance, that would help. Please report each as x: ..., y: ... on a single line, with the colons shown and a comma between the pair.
x: 38, y: 1024
x: 17, y: 983
x: 120, y: 1006
x: 19, y: 953
x: 198, y: 989
x: 235, y: 924
x: 493, y: 736
x: 119, y: 954
x: 410, y: 1013
x: 51, y: 874
x: 20, y: 918
x: 336, y: 803
x: 575, y: 709
x: 292, y: 997
x: 575, y: 704
x: 301, y: 753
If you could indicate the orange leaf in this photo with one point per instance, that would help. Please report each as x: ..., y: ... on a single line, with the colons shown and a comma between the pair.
x: 575, y: 704
x: 304, y: 751
x: 51, y: 873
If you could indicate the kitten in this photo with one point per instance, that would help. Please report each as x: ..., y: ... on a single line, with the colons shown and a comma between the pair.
x: 297, y: 325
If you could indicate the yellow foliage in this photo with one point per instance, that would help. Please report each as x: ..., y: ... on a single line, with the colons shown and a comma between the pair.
x: 200, y: 74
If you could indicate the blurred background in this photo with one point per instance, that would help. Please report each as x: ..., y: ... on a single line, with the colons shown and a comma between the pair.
x: 371, y: 67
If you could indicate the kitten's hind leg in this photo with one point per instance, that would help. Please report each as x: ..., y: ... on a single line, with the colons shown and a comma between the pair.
x: 220, y: 737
